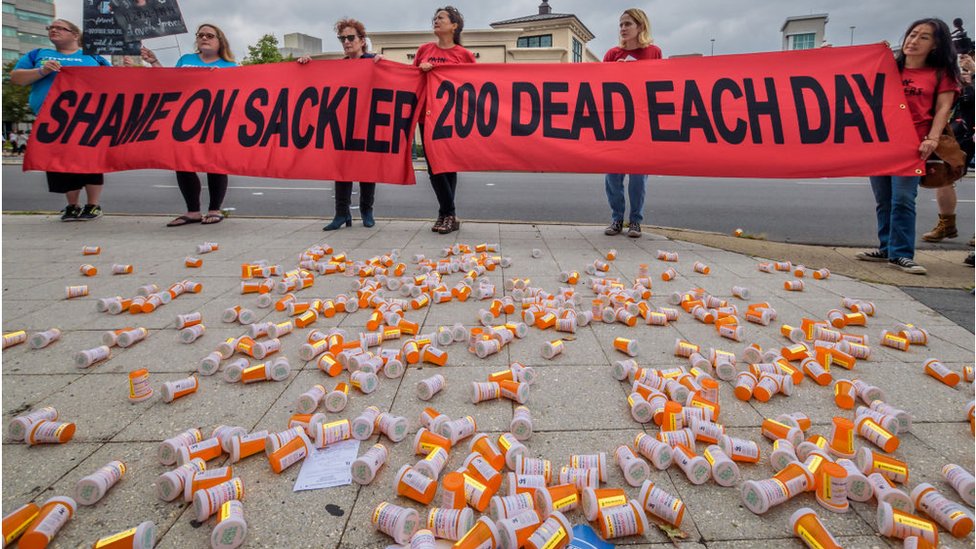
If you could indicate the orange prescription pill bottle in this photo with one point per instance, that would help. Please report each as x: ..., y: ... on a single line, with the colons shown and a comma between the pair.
x: 950, y: 515
x: 94, y: 486
x: 292, y: 452
x: 207, y: 502
x: 400, y: 523
x: 414, y: 485
x: 807, y: 526
x: 50, y: 432
x: 556, y: 532
x: 140, y: 537
x: 622, y: 520
x: 483, y: 534
x: 17, y: 521
x: 54, y: 514
x: 898, y: 524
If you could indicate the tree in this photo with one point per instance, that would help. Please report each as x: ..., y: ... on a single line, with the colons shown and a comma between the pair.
x: 15, y: 106
x: 265, y: 51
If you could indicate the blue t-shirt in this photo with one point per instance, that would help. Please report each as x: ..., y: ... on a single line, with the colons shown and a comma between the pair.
x: 35, y: 59
x: 193, y: 60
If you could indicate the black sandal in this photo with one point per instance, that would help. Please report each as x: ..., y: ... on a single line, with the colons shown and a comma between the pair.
x: 184, y: 220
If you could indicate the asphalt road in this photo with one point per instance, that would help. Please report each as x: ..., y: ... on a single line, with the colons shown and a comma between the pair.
x: 819, y: 211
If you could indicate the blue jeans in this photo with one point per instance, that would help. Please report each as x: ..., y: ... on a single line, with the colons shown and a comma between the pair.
x: 895, y: 197
x: 615, y: 195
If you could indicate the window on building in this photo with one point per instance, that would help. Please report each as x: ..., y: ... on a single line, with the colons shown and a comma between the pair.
x: 10, y: 55
x: 577, y: 51
x: 34, y: 17
x: 9, y: 31
x: 9, y: 8
x: 33, y: 39
x: 802, y: 41
x: 541, y: 41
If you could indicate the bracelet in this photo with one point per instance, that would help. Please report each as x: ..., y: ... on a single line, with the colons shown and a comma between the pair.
x: 40, y: 71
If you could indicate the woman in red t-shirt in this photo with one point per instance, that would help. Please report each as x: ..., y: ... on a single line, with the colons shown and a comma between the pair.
x: 930, y: 76
x: 448, y: 24
x: 635, y: 45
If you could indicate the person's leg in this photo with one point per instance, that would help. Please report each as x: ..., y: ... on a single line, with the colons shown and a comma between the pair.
x: 636, y: 189
x: 946, y: 226
x: 614, y: 185
x: 94, y: 192
x: 901, y: 242
x: 189, y: 184
x: 881, y: 186
x: 73, y: 197
x: 442, y: 189
x: 93, y: 183
x: 367, y: 191
x: 343, y: 196
x: 217, y: 186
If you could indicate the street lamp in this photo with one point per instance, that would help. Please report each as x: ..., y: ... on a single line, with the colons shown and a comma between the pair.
x: 713, y: 46
x: 852, y: 34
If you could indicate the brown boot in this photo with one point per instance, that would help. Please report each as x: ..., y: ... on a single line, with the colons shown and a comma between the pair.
x: 945, y: 228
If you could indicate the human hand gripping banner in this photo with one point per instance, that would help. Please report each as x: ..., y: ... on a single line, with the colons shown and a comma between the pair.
x: 329, y: 120
x: 829, y: 112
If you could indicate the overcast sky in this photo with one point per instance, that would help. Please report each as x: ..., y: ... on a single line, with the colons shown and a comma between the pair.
x: 679, y: 27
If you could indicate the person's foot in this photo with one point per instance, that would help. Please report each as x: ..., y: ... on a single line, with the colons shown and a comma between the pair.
x: 89, y: 212
x: 210, y: 218
x: 634, y: 231
x: 970, y: 259
x: 368, y: 220
x: 70, y: 212
x: 438, y: 224
x: 907, y: 265
x: 945, y: 228
x: 615, y: 228
x: 872, y: 255
x: 451, y: 224
x: 338, y: 222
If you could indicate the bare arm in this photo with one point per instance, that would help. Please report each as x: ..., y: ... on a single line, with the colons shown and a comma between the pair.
x: 943, y: 107
x: 26, y: 77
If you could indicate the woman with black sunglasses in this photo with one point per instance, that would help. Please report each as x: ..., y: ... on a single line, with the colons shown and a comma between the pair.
x: 352, y: 36
x: 213, y: 51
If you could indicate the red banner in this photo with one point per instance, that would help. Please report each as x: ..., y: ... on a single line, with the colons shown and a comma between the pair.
x: 330, y: 120
x: 818, y: 113
x: 829, y: 112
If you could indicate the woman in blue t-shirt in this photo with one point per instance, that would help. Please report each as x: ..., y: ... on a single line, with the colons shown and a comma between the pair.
x: 213, y: 50
x: 38, y: 70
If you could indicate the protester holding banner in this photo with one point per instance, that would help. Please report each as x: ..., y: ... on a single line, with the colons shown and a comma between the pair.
x: 37, y: 69
x: 213, y: 51
x: 447, y: 50
x: 636, y: 44
x: 352, y: 36
x: 930, y: 76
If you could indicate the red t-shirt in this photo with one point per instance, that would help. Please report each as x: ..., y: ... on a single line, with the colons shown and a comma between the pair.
x: 436, y: 55
x: 921, y: 90
x: 617, y: 53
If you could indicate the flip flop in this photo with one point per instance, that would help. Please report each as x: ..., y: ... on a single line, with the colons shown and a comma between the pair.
x: 183, y: 220
x: 210, y: 219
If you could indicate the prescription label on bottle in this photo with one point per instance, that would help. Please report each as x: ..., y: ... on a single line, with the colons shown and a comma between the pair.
x: 54, y: 520
x: 808, y: 537
x: 105, y: 542
x: 9, y: 538
x: 416, y: 481
x: 555, y: 540
x: 913, y: 522
x: 612, y: 501
x: 898, y: 469
x: 562, y: 503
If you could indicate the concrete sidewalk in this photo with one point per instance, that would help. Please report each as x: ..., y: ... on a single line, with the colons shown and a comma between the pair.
x: 577, y: 407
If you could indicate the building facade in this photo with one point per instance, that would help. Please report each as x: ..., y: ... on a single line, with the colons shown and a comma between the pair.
x: 544, y: 37
x: 297, y: 44
x: 24, y: 23
x: 804, y: 32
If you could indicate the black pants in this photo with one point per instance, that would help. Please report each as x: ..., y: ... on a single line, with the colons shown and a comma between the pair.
x: 60, y: 182
x: 444, y: 185
x: 190, y: 186
x: 343, y: 197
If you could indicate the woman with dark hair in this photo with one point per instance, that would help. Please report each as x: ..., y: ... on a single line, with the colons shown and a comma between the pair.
x: 212, y: 50
x: 931, y: 79
x: 636, y: 44
x: 38, y: 69
x: 352, y: 35
x: 448, y: 24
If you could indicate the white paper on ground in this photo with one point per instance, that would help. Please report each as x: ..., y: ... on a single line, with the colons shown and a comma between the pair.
x: 328, y: 467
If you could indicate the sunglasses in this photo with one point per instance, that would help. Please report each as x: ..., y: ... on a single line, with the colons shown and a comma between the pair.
x: 206, y: 35
x: 347, y: 37
x: 50, y: 28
